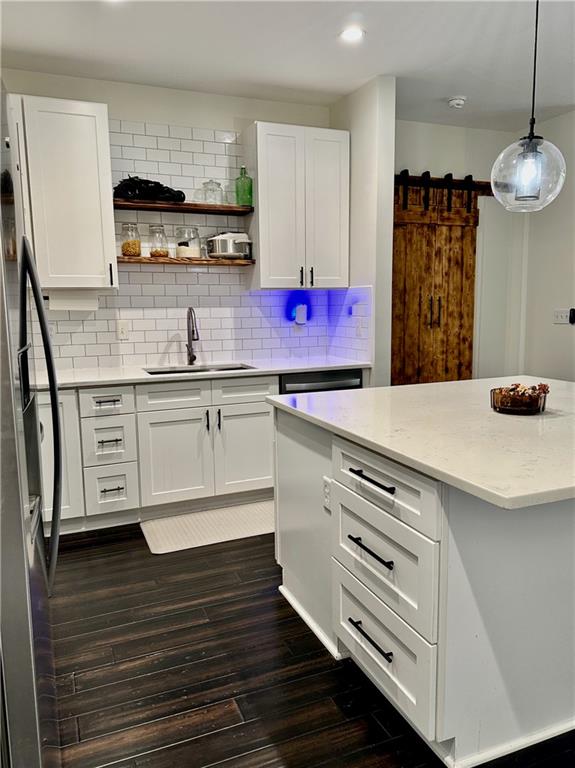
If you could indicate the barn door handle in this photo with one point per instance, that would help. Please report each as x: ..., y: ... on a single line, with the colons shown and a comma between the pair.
x: 431, y: 311
x: 439, y: 312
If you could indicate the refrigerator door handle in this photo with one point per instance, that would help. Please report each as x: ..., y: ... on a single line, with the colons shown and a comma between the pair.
x: 28, y: 270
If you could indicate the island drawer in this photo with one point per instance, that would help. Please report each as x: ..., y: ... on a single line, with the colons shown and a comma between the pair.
x: 111, y: 488
x: 104, y: 401
x: 393, y: 560
x: 399, y: 661
x: 244, y: 389
x: 165, y: 396
x: 109, y: 440
x: 408, y: 495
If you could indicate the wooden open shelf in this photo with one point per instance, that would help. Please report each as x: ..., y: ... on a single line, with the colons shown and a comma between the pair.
x: 189, y: 262
x: 217, y: 210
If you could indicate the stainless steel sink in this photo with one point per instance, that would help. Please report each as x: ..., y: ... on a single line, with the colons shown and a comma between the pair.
x: 215, y: 368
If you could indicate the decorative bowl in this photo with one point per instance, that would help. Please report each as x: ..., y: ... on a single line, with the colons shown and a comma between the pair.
x: 519, y: 400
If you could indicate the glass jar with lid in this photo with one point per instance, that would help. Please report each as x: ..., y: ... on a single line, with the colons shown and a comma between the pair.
x: 131, y: 242
x: 158, y: 242
x: 187, y: 243
x: 213, y: 192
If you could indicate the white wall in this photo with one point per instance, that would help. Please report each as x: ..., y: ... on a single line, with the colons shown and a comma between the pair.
x: 164, y: 105
x: 550, y: 349
x: 369, y: 114
x: 499, y: 328
x: 443, y: 149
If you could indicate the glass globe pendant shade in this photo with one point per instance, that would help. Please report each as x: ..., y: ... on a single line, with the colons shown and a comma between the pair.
x: 528, y: 175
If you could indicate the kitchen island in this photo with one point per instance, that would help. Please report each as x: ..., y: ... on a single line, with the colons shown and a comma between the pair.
x: 433, y: 541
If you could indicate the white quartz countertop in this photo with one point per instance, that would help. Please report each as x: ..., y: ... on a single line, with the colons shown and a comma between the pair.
x: 449, y: 432
x: 96, y: 377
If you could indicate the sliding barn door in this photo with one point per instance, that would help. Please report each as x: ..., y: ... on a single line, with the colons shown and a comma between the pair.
x: 433, y: 285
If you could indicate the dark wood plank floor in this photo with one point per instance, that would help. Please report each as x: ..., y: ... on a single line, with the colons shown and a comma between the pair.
x: 192, y: 659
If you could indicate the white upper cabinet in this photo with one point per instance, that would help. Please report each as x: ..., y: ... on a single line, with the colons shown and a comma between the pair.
x: 300, y: 227
x: 65, y: 164
x: 327, y: 207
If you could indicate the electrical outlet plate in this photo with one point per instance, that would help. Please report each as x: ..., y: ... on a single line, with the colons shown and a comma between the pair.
x: 561, y: 317
x: 122, y: 330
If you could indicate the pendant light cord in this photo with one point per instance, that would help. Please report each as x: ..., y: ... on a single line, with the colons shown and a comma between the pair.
x: 532, y: 120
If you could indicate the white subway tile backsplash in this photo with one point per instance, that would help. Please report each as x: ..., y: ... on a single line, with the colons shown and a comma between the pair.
x: 227, y: 137
x: 146, y: 166
x: 121, y: 139
x: 122, y: 165
x: 214, y: 148
x: 191, y: 146
x: 134, y: 153
x: 203, y: 134
x: 180, y: 132
x: 129, y: 126
x: 156, y: 129
x: 149, y: 142
x: 164, y: 143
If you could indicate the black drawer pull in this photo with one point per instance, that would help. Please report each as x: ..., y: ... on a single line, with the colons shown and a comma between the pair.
x: 117, y: 489
x: 360, y: 473
x: 356, y: 624
x: 115, y: 440
x: 112, y: 401
x: 357, y: 540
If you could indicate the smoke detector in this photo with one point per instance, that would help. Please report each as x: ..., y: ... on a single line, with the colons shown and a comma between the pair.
x: 457, y: 102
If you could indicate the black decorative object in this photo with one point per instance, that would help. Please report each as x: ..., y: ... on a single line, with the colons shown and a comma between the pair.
x: 134, y: 188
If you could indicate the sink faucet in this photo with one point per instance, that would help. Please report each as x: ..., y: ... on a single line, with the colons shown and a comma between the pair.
x: 193, y: 335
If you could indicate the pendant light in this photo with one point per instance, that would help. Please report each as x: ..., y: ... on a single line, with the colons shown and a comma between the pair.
x: 529, y: 174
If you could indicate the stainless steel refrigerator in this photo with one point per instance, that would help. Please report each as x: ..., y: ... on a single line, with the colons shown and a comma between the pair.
x: 28, y: 715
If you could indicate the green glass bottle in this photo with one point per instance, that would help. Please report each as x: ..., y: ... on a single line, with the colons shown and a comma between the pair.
x: 244, y: 188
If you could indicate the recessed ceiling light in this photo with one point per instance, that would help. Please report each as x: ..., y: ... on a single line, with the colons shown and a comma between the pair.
x: 352, y: 34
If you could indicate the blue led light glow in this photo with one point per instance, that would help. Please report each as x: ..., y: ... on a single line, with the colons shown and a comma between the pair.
x: 293, y: 299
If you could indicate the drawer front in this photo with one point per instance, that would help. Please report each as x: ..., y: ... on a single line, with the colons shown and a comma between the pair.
x: 396, y: 562
x: 106, y: 401
x: 109, y: 440
x: 411, y: 497
x: 407, y: 676
x: 178, y: 394
x: 111, y: 488
x: 248, y: 389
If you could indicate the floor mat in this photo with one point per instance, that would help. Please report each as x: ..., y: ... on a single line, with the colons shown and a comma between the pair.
x: 172, y: 534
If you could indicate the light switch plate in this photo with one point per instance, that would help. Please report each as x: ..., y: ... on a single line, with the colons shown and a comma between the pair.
x: 560, y: 317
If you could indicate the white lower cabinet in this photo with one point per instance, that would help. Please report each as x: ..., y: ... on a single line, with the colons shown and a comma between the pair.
x: 397, y: 658
x: 111, y: 489
x: 176, y: 456
x: 243, y: 447
x: 187, y: 440
x: 109, y: 439
x: 72, y: 491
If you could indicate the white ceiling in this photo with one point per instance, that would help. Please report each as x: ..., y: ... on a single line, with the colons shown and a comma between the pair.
x: 290, y: 51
